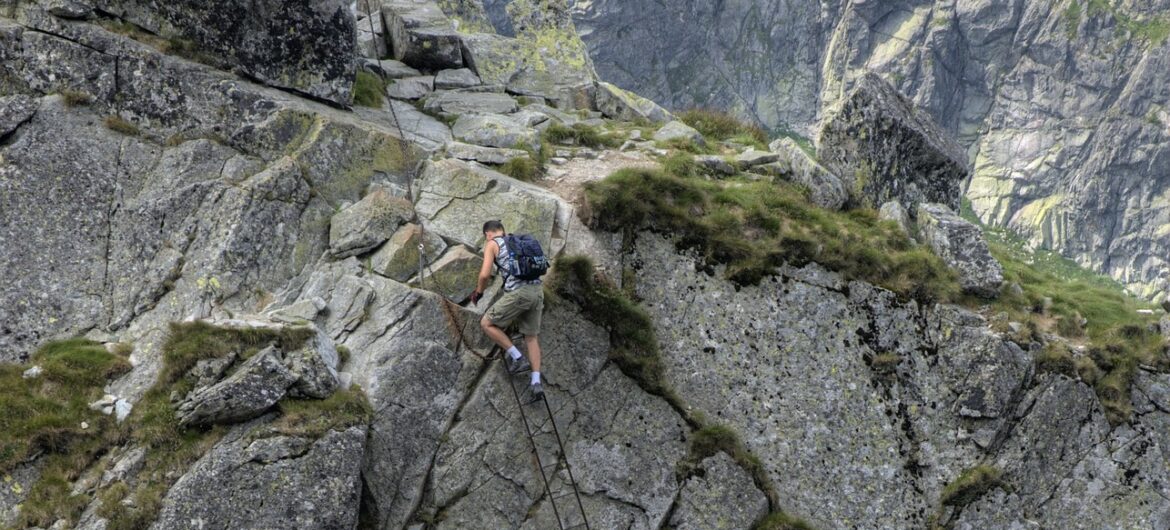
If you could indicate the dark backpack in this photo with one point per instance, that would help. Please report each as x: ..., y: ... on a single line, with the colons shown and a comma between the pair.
x: 526, y: 260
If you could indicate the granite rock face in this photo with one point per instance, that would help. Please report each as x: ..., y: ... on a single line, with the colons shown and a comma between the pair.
x: 879, y: 388
x: 305, y: 45
x: 263, y: 479
x: 962, y: 247
x: 883, y: 148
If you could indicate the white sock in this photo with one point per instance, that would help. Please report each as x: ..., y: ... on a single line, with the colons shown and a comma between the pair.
x: 513, y: 353
x: 535, y: 377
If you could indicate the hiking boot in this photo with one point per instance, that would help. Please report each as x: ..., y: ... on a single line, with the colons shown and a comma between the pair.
x: 537, y: 391
x: 517, y: 366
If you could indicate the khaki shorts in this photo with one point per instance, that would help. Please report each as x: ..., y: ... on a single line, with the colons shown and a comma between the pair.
x: 522, y: 307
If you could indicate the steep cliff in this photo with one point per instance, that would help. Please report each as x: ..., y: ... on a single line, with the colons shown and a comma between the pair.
x: 1059, y: 103
x: 234, y: 305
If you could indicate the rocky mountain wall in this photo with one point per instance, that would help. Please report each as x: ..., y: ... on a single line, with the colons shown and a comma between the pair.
x: 1061, y: 104
x: 141, y: 189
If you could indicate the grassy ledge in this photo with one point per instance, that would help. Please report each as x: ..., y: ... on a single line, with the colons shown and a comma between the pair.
x: 48, y: 417
x: 1064, y: 307
x: 754, y: 227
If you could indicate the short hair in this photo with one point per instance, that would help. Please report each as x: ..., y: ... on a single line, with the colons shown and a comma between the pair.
x: 493, y: 225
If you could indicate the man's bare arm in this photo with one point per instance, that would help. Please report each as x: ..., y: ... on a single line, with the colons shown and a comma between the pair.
x: 485, y: 271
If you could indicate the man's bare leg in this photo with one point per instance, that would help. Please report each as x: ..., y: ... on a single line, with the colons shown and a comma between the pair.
x: 495, y: 333
x: 533, y: 344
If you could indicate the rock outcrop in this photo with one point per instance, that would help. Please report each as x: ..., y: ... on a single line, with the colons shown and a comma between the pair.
x: 914, y: 395
x: 306, y: 45
x: 264, y: 479
x: 882, y: 149
x: 236, y: 182
x: 962, y: 246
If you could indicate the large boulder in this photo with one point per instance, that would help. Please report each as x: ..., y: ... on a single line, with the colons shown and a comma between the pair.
x: 398, y: 259
x: 249, y: 392
x: 421, y: 35
x: 795, y: 165
x: 962, y: 246
x: 455, y: 198
x: 546, y: 58
x: 454, y: 275
x: 491, y: 130
x: 884, y: 148
x: 366, y: 224
x: 619, y: 104
x: 307, y: 46
x: 256, y: 478
x: 720, y: 496
x: 677, y: 130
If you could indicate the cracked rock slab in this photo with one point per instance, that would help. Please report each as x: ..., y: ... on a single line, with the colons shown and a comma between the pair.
x: 722, y: 497
x: 454, y: 198
x: 270, y: 482
x: 368, y: 223
x: 14, y: 111
x: 254, y: 388
x: 398, y: 259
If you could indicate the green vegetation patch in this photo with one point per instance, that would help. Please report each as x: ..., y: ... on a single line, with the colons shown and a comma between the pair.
x: 119, y: 124
x: 154, y: 425
x: 971, y: 484
x: 76, y: 98
x: 782, y: 521
x: 754, y: 227
x: 312, y: 418
x: 579, y: 134
x: 44, y: 416
x: 369, y: 90
x: 521, y: 168
x: 718, y: 125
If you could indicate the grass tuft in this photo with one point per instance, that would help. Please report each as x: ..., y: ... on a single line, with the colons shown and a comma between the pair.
x: 121, y: 125
x: 521, y: 168
x: 971, y: 484
x: 312, y: 418
x: 719, y: 125
x: 76, y: 98
x: 369, y: 90
x: 579, y: 134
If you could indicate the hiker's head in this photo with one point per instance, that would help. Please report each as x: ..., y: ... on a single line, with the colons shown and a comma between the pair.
x: 493, y: 229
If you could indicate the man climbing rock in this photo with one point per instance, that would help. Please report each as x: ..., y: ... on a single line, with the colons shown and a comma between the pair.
x: 522, y: 304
